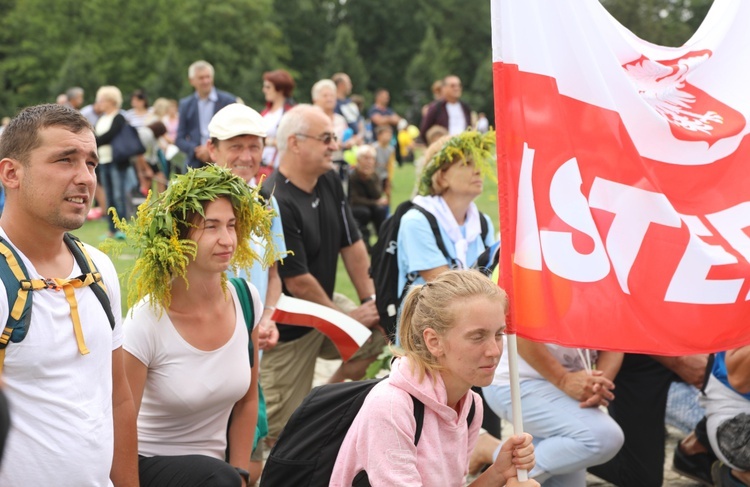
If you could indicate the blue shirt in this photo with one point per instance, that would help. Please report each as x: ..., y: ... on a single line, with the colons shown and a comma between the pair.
x: 720, y: 372
x: 206, y: 112
x: 418, y: 250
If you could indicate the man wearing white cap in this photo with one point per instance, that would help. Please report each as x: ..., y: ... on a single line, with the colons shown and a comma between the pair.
x: 236, y: 142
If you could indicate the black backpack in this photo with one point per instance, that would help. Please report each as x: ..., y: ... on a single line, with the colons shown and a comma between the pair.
x: 384, y: 263
x: 305, y: 453
x: 488, y: 260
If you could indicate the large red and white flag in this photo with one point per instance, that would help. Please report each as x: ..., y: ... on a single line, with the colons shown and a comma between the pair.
x: 624, y: 172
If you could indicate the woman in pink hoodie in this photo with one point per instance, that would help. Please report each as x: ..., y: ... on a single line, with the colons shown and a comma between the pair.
x: 451, y: 334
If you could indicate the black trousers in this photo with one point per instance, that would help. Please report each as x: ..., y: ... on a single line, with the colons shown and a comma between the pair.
x: 366, y: 215
x: 641, y: 390
x: 187, y: 471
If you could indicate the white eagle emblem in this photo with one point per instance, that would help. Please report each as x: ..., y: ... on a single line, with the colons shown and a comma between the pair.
x: 663, y: 86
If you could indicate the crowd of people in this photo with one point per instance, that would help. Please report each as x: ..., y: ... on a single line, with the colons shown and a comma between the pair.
x: 198, y: 381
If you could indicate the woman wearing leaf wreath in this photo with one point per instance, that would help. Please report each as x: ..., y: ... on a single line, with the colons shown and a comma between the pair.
x: 452, y: 178
x: 186, y: 341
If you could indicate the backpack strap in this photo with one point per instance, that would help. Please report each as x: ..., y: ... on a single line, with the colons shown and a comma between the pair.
x: 485, y: 228
x: 419, y: 416
x: 243, y: 293
x: 412, y: 276
x: 13, y: 273
x: 472, y: 411
x: 88, y: 267
x: 436, y: 231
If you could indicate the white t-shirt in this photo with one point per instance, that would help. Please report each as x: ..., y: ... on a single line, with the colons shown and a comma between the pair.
x: 189, y: 393
x: 456, y: 118
x: 61, y: 401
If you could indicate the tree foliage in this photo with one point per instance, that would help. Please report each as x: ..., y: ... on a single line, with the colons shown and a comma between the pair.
x: 342, y: 55
x: 47, y: 46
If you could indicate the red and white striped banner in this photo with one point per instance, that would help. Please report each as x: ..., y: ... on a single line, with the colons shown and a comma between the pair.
x: 344, y: 331
x: 624, y: 172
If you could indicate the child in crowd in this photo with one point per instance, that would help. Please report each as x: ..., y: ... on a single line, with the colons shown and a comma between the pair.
x: 406, y: 135
x: 451, y: 334
x: 385, y: 157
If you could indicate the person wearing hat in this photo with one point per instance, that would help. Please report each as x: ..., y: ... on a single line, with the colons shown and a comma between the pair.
x: 236, y: 142
x: 237, y: 132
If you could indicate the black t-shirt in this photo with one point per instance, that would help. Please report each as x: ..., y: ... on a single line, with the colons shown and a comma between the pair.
x: 316, y: 226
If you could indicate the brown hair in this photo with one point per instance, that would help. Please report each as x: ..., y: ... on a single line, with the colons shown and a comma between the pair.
x: 158, y: 128
x: 21, y: 136
x: 436, y: 305
x: 281, y: 80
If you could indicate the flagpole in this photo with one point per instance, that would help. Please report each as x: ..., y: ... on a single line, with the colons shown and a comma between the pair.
x: 515, y: 395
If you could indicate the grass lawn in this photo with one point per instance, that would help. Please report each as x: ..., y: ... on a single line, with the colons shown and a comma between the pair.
x: 403, y: 184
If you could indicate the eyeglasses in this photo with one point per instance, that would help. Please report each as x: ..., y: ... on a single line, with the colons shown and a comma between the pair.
x: 325, y: 137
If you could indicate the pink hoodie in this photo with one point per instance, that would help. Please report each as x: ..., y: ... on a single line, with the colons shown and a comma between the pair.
x: 381, y: 438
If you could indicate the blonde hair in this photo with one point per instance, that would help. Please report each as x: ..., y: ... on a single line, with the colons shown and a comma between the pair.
x: 467, y: 147
x: 436, y: 305
x: 161, y: 105
x: 111, y: 93
x: 321, y: 85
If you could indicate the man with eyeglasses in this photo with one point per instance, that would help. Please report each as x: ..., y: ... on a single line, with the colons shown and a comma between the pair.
x: 450, y: 112
x: 318, y: 227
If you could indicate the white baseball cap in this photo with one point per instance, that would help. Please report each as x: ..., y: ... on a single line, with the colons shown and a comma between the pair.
x: 236, y: 119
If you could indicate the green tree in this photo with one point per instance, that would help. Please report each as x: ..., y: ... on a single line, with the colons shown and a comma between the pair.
x: 663, y: 22
x: 33, y: 46
x: 306, y: 27
x: 426, y: 66
x: 464, y: 33
x: 342, y: 55
x: 388, y: 33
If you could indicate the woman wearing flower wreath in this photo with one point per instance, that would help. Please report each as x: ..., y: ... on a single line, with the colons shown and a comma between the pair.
x: 186, y: 341
x: 452, y: 178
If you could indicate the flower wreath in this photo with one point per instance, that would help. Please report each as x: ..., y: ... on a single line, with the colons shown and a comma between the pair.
x: 466, y: 146
x: 155, y: 230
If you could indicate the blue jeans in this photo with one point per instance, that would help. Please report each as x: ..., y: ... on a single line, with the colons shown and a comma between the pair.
x: 567, y: 438
x: 113, y: 180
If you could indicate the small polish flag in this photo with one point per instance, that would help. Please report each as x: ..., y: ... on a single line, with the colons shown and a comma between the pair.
x: 344, y: 331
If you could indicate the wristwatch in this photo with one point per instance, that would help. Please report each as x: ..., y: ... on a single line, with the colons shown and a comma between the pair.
x: 244, y: 474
